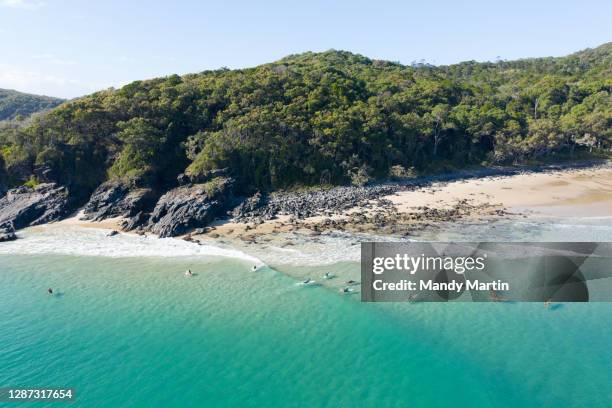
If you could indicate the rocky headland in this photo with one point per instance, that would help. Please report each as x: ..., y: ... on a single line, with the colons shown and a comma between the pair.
x: 26, y: 206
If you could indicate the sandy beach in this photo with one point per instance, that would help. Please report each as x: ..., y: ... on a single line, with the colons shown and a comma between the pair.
x: 109, y: 223
x: 574, y: 192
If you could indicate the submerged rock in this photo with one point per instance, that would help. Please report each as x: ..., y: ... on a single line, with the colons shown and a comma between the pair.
x: 188, y: 207
x: 116, y: 199
x: 26, y: 206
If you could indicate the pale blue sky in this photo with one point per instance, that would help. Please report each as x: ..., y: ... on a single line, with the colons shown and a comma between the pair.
x: 69, y: 48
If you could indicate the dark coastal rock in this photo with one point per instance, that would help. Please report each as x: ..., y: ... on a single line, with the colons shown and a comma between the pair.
x: 248, y: 206
x: 44, y: 173
x: 302, y: 205
x: 183, y: 179
x: 134, y: 222
x: 3, y: 190
x: 26, y: 206
x: 7, y: 236
x: 7, y: 232
x: 116, y: 199
x: 187, y: 207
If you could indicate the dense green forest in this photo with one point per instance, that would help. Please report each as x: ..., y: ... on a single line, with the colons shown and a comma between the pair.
x: 16, y: 105
x: 319, y: 118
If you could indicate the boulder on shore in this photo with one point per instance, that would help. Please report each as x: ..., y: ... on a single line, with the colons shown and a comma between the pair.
x: 7, y: 232
x: 117, y: 199
x: 134, y: 222
x: 304, y: 204
x: 188, y: 207
x: 248, y: 206
x: 26, y: 206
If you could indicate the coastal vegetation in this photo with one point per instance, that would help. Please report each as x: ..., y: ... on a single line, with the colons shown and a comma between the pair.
x: 17, y: 105
x: 318, y: 118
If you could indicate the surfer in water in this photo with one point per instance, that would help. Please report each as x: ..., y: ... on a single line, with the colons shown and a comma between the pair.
x: 306, y: 281
x: 50, y: 291
x: 254, y: 268
x: 189, y: 273
x: 328, y: 275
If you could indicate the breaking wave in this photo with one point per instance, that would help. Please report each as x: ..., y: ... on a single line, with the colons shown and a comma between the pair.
x: 79, y: 241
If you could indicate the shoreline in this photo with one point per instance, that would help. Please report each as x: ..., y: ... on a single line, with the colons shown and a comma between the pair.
x: 574, y: 191
x: 292, y: 245
x: 566, y: 192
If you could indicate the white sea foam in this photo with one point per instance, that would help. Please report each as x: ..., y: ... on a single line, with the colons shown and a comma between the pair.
x: 308, y: 251
x: 342, y: 247
x: 74, y: 240
x: 325, y: 249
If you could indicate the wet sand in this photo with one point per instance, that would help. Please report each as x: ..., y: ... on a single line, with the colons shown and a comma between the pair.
x: 109, y: 223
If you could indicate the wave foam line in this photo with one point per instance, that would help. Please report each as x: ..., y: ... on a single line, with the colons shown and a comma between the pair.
x: 81, y: 241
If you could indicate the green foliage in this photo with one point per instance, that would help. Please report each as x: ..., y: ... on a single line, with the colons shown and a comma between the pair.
x: 360, y: 175
x: 32, y: 182
x: 399, y: 172
x: 17, y: 105
x: 215, y: 186
x: 141, y: 146
x: 322, y: 118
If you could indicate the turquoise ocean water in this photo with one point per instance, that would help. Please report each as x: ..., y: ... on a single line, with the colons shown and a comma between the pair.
x: 128, y: 329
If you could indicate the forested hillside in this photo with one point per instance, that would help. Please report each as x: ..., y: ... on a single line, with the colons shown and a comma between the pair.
x: 14, y: 105
x: 331, y: 117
